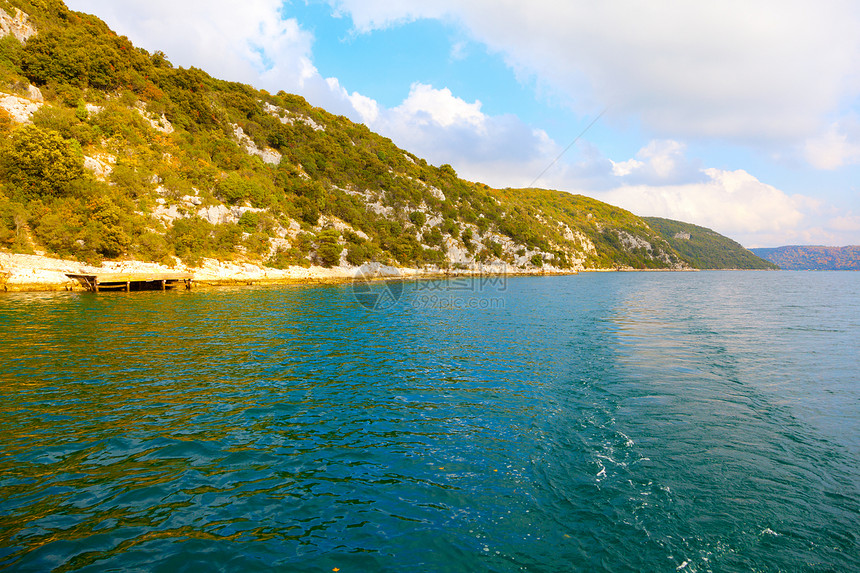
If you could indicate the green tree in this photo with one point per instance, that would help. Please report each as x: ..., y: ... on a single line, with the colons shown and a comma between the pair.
x: 329, y: 247
x: 39, y: 161
x: 418, y: 218
x: 109, y: 237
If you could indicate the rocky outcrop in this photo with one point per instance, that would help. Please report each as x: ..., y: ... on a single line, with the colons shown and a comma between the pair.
x: 158, y: 123
x: 17, y: 25
x: 19, y: 109
x: 288, y: 118
x: 269, y: 156
x: 101, y: 165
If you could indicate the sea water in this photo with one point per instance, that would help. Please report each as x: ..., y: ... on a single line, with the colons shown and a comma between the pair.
x: 600, y: 422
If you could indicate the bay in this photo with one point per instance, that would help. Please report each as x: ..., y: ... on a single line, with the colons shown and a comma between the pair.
x: 600, y: 422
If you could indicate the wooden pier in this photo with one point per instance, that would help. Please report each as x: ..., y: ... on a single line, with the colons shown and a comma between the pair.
x: 133, y: 281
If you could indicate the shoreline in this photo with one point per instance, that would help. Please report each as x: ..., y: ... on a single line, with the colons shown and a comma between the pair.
x: 38, y: 273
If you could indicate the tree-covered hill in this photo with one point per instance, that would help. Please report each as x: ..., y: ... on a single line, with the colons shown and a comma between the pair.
x: 706, y: 249
x: 813, y: 258
x: 109, y: 151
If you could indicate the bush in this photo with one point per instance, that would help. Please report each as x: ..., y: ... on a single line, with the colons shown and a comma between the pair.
x: 257, y: 243
x: 356, y: 254
x: 329, y: 249
x: 450, y: 227
x: 467, y: 237
x: 418, y: 218
x: 153, y: 247
x: 39, y: 162
x: 107, y: 237
x: 433, y: 237
x: 308, y: 211
x: 283, y: 258
x: 236, y: 188
x: 249, y: 221
x: 493, y: 248
x: 60, y: 226
x: 13, y: 220
x: 191, y: 239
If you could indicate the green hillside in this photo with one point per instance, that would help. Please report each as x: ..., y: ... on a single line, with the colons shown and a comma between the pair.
x: 109, y: 152
x: 706, y: 249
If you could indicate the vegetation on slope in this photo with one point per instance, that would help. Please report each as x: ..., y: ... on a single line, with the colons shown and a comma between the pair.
x: 706, y: 249
x: 129, y: 156
x: 813, y: 258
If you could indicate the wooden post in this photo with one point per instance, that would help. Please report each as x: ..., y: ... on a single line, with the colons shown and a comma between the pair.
x: 96, y: 284
x: 127, y: 286
x: 163, y: 284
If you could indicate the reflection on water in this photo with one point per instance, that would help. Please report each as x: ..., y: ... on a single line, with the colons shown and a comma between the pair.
x: 596, y: 422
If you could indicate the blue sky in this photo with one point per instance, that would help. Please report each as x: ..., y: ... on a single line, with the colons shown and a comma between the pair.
x: 740, y: 116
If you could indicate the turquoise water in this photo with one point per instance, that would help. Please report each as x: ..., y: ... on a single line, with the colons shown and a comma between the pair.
x: 599, y: 422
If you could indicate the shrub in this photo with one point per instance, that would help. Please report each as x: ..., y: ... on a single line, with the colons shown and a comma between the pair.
x: 152, y: 247
x: 283, y: 258
x: 308, y: 211
x: 249, y: 221
x: 467, y: 237
x: 257, y: 243
x: 329, y: 249
x: 191, y: 239
x: 433, y: 237
x: 236, y: 188
x: 450, y: 227
x: 418, y: 218
x: 40, y: 162
x: 107, y: 236
x: 13, y: 220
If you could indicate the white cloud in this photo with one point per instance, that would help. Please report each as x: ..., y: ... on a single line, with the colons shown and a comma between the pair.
x: 734, y: 203
x: 359, y: 107
x: 848, y: 222
x: 366, y: 107
x: 426, y: 105
x: 838, y: 146
x: 624, y: 168
x: 435, y: 124
x: 663, y: 156
x: 250, y: 43
x: 732, y: 69
x: 660, y: 162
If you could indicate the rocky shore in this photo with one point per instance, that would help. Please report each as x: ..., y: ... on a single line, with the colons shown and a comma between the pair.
x: 33, y: 273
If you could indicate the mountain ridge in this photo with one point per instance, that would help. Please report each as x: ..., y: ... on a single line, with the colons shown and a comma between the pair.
x: 705, y: 248
x: 812, y: 257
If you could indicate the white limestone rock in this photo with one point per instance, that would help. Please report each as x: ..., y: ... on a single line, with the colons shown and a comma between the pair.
x: 20, y: 109
x: 268, y: 155
x: 17, y: 25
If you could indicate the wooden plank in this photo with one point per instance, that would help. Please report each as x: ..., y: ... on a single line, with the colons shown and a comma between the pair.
x: 109, y: 281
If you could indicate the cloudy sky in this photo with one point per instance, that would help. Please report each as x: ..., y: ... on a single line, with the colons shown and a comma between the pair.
x: 739, y: 115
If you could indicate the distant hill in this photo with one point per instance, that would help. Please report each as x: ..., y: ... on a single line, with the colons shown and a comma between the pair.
x: 813, y: 258
x: 704, y: 248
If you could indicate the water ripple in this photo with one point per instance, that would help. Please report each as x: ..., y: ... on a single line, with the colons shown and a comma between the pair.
x: 599, y: 422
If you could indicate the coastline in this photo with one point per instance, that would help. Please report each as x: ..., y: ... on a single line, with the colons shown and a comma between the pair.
x: 37, y: 273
